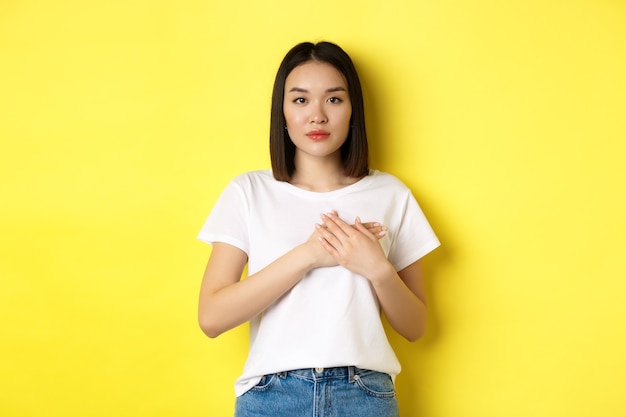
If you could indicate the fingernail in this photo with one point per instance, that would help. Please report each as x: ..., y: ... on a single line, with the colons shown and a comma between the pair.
x: 358, y: 220
x: 383, y: 233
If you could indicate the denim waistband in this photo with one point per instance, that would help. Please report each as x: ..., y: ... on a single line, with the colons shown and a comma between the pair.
x: 347, y: 372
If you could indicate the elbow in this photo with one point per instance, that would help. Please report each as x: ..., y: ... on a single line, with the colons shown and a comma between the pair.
x: 418, y: 329
x: 415, y: 334
x: 209, y: 327
x: 414, y: 337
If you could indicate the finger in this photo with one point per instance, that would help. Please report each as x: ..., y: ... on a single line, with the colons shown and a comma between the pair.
x: 375, y: 228
x: 363, y: 229
x: 372, y: 225
x: 327, y: 236
x: 337, y: 226
x: 332, y: 252
x: 345, y: 227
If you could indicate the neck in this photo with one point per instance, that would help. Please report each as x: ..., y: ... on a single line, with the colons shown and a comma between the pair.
x: 320, y: 174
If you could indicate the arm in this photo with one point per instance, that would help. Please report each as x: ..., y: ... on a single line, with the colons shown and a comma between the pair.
x: 402, y: 299
x: 226, y: 301
x: 401, y: 294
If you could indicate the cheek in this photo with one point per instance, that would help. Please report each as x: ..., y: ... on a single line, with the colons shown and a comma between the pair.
x: 291, y: 116
x: 348, y: 112
x: 347, y: 117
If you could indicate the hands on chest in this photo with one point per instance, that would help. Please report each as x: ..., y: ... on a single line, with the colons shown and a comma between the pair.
x: 355, y: 247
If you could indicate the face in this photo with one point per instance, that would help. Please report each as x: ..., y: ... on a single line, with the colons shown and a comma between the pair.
x: 317, y: 109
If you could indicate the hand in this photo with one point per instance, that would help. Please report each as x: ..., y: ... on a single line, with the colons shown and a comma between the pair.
x: 323, y: 257
x: 374, y: 228
x: 354, y: 247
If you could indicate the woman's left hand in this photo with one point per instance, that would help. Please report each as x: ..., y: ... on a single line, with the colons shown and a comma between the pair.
x: 353, y: 247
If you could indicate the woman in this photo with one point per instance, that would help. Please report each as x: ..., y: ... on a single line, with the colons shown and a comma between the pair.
x: 318, y: 276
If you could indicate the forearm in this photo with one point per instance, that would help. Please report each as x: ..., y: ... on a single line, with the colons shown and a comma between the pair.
x: 232, y: 305
x: 400, y: 293
x: 404, y: 310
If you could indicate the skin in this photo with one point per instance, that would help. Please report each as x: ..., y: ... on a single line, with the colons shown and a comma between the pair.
x: 316, y: 99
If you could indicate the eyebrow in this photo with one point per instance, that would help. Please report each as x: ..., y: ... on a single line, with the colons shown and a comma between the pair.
x: 330, y: 90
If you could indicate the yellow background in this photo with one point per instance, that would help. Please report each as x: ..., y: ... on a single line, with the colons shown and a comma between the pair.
x: 122, y: 121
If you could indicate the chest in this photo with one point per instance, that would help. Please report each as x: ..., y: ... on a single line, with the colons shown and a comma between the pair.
x: 278, y: 221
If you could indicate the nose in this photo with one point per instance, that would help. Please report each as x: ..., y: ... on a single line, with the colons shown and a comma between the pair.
x: 318, y: 115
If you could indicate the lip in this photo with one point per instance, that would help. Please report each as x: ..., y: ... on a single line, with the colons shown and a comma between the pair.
x: 318, y: 134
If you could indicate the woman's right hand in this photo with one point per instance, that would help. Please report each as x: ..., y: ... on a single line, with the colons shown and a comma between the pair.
x: 321, y: 256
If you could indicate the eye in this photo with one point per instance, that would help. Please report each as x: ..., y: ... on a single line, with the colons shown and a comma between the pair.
x: 299, y: 100
x: 335, y: 100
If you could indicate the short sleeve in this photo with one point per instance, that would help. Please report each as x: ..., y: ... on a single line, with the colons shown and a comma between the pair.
x: 414, y: 237
x: 228, y: 221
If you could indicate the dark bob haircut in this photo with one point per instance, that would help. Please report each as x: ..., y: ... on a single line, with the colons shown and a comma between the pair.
x: 354, y: 152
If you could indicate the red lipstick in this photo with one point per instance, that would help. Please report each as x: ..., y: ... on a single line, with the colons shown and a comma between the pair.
x: 318, y: 134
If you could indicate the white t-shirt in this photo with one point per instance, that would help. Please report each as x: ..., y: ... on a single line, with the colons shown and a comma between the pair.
x: 332, y: 316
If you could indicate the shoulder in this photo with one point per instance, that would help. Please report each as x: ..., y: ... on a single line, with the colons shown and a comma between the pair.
x: 253, y: 177
x: 384, y: 179
x: 256, y: 182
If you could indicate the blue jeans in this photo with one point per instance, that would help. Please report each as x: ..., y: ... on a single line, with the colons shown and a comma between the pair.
x: 320, y: 392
